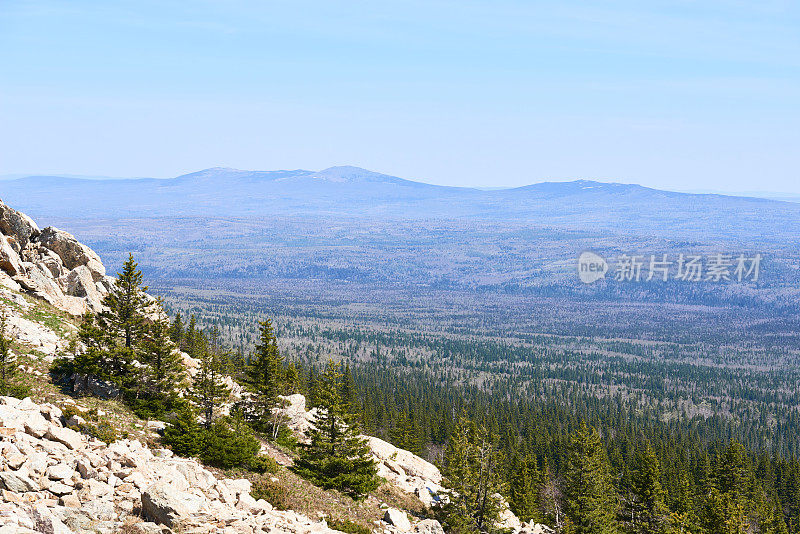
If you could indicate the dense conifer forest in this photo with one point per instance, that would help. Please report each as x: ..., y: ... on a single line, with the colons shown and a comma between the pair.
x: 582, y: 459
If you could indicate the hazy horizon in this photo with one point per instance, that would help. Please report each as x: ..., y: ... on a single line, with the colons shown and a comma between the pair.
x: 672, y: 96
x: 773, y: 195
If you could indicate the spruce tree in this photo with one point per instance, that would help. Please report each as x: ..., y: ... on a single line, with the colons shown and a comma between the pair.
x: 262, y: 376
x: 184, y: 435
x: 176, y: 330
x: 647, y: 511
x: 471, y: 473
x: 335, y: 456
x: 189, y: 339
x: 164, y: 372
x: 113, y: 336
x: 591, y: 502
x: 127, y: 306
x: 349, y: 389
x: 524, y: 488
x: 208, y: 390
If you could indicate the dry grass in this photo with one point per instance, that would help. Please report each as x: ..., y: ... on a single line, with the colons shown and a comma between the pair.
x: 296, y: 493
x: 289, y: 491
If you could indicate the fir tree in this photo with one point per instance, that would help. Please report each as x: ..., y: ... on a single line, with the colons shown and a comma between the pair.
x: 336, y: 456
x: 591, y: 503
x: 471, y: 474
x: 208, y: 389
x: 127, y: 306
x: 647, y: 511
x: 523, y: 490
x: 263, y: 374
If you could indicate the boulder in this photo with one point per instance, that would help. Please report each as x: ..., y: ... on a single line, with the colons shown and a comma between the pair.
x: 52, y: 261
x: 92, y: 385
x: 428, y: 526
x: 45, y: 521
x: 79, y: 283
x: 36, y: 425
x: 60, y: 471
x: 17, y: 483
x: 397, y: 518
x: 10, y: 261
x: 294, y: 414
x: 68, y: 437
x: 165, y: 506
x: 72, y: 252
x: 18, y: 225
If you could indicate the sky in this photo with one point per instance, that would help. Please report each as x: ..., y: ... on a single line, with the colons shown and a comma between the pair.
x: 682, y: 95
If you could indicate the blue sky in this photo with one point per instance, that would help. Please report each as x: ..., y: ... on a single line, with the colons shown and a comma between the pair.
x: 676, y: 95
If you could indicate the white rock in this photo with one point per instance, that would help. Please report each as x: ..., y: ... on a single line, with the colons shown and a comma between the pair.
x: 397, y: 518
x: 61, y: 471
x: 68, y: 437
x: 428, y: 526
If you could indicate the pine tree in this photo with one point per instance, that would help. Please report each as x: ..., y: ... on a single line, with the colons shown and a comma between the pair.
x: 336, y: 457
x: 263, y: 373
x: 591, y: 503
x: 208, y: 389
x: 471, y: 473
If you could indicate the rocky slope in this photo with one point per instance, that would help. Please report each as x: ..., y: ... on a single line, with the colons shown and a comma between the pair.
x: 56, y: 480
x: 49, y: 264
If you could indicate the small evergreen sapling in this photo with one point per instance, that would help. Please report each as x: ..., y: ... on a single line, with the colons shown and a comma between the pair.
x: 336, y: 457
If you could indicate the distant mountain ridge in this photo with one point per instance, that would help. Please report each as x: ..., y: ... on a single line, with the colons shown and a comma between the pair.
x: 354, y: 192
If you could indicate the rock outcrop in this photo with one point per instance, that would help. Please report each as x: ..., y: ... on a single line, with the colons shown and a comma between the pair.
x: 403, y: 469
x: 50, y: 264
x: 53, y: 479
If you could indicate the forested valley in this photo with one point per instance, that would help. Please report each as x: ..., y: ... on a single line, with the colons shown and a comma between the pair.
x: 586, y: 434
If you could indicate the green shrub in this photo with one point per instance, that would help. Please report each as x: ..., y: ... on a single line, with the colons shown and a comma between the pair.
x: 229, y: 446
x: 345, y: 525
x: 102, y: 431
x: 263, y: 464
x: 184, y: 435
x: 18, y: 391
x: 286, y: 438
x: 70, y: 410
x: 272, y: 492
